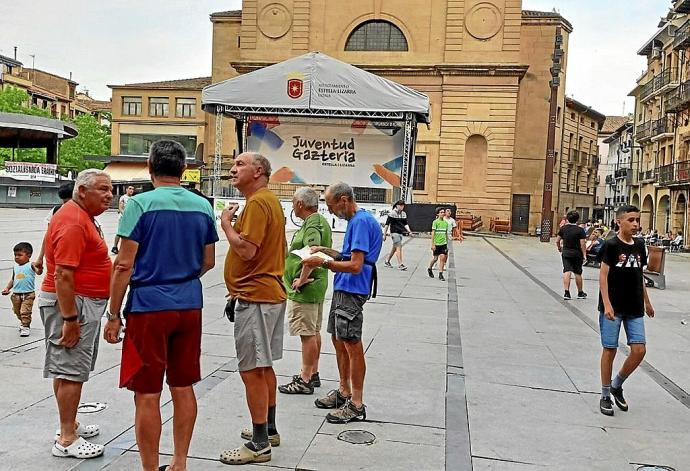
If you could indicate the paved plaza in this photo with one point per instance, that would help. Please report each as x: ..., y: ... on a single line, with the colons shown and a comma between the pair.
x: 490, y: 370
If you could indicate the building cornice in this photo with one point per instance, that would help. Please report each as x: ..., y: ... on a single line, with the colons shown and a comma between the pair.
x: 469, y: 70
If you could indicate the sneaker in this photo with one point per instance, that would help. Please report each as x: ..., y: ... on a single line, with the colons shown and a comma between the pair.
x: 606, y: 406
x: 440, y: 276
x: 347, y: 413
x: 114, y: 251
x: 618, y: 398
x: 297, y: 386
x: 430, y: 272
x: 388, y: 264
x: 566, y: 296
x: 333, y: 400
x: 402, y: 267
x: 315, y: 380
x: 24, y: 331
x: 581, y: 295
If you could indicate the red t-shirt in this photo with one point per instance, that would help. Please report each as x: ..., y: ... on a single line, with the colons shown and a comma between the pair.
x: 74, y: 240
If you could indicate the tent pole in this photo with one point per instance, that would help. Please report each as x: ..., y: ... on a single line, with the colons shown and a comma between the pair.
x: 408, y: 146
x: 217, y: 155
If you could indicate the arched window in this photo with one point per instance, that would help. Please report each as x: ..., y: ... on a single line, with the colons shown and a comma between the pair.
x: 376, y: 35
x: 475, y: 164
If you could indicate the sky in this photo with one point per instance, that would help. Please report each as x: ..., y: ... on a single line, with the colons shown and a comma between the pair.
x: 128, y: 41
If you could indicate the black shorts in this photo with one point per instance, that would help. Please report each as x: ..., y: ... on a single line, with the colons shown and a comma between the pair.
x: 346, y: 316
x: 440, y: 250
x: 572, y: 264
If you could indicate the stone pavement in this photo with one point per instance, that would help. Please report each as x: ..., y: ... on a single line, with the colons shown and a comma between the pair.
x: 490, y: 371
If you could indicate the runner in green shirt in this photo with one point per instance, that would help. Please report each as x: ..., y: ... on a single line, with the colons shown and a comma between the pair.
x: 439, y: 243
x: 306, y: 290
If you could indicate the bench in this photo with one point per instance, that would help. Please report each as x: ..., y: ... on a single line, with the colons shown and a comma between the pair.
x: 468, y: 222
x: 499, y: 225
x: 656, y: 262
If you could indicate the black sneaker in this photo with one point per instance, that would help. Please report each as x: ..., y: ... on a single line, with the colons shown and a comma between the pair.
x: 581, y: 295
x: 114, y: 251
x: 430, y: 272
x: 333, y: 400
x: 440, y: 276
x: 387, y: 264
x: 315, y: 380
x: 297, y: 386
x: 566, y: 296
x: 617, y: 394
x: 606, y: 406
x: 347, y: 413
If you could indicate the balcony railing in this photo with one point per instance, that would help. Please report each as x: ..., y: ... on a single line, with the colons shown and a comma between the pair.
x: 659, y: 82
x: 682, y: 38
x: 621, y: 173
x: 674, y: 174
x: 678, y: 99
x: 610, y: 180
x: 661, y: 126
x: 643, y: 131
x: 647, y: 175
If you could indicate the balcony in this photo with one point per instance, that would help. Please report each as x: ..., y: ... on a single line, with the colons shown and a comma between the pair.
x: 610, y: 180
x: 679, y: 99
x: 681, y: 6
x: 682, y: 37
x: 674, y: 174
x: 643, y: 131
x: 660, y: 83
x: 647, y: 176
x: 662, y: 128
x: 621, y: 173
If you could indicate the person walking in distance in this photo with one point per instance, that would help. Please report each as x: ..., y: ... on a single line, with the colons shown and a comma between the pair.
x: 73, y: 298
x: 396, y: 224
x: 168, y: 243
x: 572, y: 244
x: 623, y: 299
x: 455, y: 231
x: 439, y: 243
x: 120, y: 211
x: 254, y: 269
x: 306, y: 290
x: 22, y: 287
x: 355, y: 277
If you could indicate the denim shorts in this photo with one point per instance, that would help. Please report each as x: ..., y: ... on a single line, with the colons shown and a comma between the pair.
x: 609, y: 330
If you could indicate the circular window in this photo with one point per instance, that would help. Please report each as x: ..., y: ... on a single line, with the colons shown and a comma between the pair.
x: 484, y: 21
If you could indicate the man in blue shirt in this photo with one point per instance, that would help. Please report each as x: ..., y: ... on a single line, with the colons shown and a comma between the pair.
x: 355, y: 274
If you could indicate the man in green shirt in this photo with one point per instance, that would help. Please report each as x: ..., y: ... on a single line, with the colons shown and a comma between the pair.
x: 439, y: 243
x: 306, y: 290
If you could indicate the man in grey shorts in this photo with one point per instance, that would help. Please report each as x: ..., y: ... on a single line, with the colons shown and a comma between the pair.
x: 254, y: 269
x: 398, y: 227
x: 355, y: 269
x: 72, y: 300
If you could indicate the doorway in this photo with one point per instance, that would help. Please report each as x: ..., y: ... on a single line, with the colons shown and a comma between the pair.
x: 520, y: 219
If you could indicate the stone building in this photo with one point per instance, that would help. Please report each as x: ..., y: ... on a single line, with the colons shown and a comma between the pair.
x: 619, y: 172
x: 483, y: 64
x: 611, y: 125
x: 662, y: 132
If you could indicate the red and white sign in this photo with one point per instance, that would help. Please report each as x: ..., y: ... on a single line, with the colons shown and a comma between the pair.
x: 295, y: 88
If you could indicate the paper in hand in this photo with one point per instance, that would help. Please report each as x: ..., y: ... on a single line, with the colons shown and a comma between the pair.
x: 305, y: 253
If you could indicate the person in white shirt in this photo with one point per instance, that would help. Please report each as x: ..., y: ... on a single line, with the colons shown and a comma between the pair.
x: 120, y: 209
x: 454, y: 231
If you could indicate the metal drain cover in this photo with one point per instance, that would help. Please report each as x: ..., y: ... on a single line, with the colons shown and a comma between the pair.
x: 655, y: 467
x: 357, y: 437
x: 91, y: 407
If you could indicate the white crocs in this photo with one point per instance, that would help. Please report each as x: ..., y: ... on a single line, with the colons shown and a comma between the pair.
x: 84, y: 431
x: 80, y: 448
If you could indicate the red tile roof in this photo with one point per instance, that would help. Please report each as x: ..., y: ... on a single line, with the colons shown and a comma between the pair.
x: 185, y: 84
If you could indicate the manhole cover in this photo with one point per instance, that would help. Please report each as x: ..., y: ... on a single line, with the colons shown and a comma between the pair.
x: 655, y: 467
x: 91, y: 407
x: 357, y: 437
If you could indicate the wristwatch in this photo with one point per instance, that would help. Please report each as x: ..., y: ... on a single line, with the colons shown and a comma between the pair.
x: 112, y: 317
x: 324, y: 264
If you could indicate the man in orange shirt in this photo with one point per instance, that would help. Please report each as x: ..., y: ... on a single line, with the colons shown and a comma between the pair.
x: 72, y: 301
x: 254, y: 270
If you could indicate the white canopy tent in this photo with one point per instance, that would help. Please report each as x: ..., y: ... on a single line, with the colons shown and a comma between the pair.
x: 315, y: 85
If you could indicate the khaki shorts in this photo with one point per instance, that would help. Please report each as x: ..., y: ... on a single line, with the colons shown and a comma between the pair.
x: 258, y: 334
x: 76, y: 363
x: 304, y: 318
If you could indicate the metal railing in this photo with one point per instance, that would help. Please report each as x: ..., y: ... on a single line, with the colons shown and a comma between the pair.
x: 682, y: 37
x: 676, y: 173
x: 661, y: 126
x: 643, y: 131
x: 678, y: 99
x: 647, y: 175
x: 658, y: 82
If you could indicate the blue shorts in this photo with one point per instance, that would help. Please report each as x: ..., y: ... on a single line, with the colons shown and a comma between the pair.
x: 609, y: 330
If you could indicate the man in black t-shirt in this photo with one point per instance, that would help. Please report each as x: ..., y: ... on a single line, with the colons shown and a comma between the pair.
x: 571, y: 244
x: 623, y: 300
x: 397, y: 222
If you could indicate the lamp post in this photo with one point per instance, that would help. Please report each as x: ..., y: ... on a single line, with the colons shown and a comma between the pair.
x: 547, y: 195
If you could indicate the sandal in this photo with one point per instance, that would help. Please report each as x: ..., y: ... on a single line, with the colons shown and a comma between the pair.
x: 80, y: 448
x: 247, y: 434
x: 244, y: 455
x: 83, y: 431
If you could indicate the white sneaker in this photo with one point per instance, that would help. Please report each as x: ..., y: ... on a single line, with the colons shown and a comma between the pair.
x: 24, y: 331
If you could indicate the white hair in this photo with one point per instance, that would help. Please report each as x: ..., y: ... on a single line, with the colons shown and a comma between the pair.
x: 340, y: 189
x: 87, y: 178
x: 307, y: 196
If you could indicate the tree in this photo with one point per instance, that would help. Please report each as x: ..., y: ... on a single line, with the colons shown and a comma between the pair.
x: 93, y: 139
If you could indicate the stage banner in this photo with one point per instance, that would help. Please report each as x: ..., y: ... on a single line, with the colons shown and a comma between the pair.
x: 359, y: 152
x: 31, y: 171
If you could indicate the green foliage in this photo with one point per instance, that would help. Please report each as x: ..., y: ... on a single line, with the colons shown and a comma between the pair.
x: 93, y: 138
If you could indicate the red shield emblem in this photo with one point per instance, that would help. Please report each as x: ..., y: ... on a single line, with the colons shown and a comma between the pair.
x: 295, y: 87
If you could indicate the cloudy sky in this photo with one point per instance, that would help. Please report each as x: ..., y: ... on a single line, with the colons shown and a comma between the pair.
x: 125, y: 41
